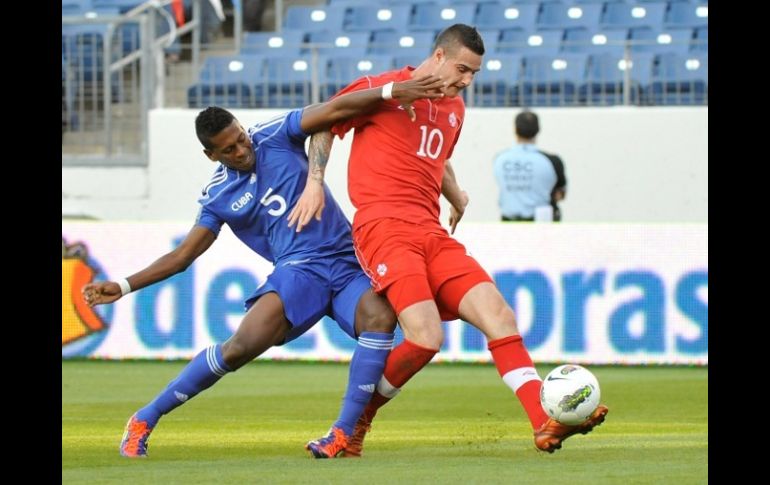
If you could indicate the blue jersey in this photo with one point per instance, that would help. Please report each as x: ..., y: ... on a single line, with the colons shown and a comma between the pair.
x: 256, y: 204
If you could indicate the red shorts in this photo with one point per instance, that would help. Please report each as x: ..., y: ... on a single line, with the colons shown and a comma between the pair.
x: 411, y: 263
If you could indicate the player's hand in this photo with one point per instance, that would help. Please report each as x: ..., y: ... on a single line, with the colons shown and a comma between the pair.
x: 101, y: 292
x: 409, y: 91
x: 456, y: 213
x: 310, y: 204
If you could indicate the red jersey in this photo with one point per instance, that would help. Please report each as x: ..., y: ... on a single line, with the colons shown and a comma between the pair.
x: 396, y: 165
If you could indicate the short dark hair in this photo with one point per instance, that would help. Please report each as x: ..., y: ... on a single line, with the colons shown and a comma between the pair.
x: 210, y: 122
x: 527, y: 125
x: 459, y: 35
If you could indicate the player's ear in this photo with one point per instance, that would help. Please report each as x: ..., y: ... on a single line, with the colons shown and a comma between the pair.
x: 439, y: 55
x: 209, y: 154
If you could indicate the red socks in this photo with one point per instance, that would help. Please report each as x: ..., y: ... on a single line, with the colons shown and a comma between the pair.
x: 518, y: 372
x: 403, y: 362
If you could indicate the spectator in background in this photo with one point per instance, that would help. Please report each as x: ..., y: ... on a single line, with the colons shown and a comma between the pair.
x: 530, y: 181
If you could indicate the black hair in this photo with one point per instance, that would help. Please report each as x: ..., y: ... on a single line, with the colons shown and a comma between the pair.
x: 460, y: 35
x: 210, y: 122
x: 527, y: 125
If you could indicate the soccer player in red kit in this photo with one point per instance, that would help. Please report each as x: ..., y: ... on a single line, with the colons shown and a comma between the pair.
x: 396, y: 174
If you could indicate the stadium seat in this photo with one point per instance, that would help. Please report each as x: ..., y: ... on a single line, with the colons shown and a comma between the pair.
x: 314, y: 19
x: 530, y: 43
x: 680, y: 79
x: 339, y: 43
x: 644, y: 39
x: 370, y: 18
x: 605, y: 78
x: 401, y: 43
x: 348, y: 3
x: 413, y: 60
x: 701, y: 42
x: 430, y: 16
x: 507, y: 16
x: 286, y: 82
x: 686, y: 14
x: 497, y: 84
x: 552, y: 80
x: 568, y: 16
x: 595, y: 41
x: 491, y: 38
x: 226, y: 81
x: 342, y: 70
x: 285, y: 43
x: 629, y: 15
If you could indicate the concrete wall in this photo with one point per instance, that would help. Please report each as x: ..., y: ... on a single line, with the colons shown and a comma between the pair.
x: 623, y: 164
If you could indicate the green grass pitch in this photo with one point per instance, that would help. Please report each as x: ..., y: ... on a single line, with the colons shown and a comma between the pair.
x: 452, y: 423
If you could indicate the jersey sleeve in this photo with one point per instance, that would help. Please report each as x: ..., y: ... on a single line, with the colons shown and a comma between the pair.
x: 343, y: 127
x: 208, y: 219
x: 293, y: 127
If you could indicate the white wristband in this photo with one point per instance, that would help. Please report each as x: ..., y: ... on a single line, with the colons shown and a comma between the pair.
x: 125, y: 288
x: 387, y: 91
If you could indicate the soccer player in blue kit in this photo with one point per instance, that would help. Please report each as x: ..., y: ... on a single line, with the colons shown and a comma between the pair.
x: 261, y: 173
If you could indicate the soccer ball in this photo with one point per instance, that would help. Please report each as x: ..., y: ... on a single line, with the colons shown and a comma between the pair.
x: 570, y: 393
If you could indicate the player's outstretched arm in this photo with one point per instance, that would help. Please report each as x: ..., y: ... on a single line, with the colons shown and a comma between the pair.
x: 322, y: 116
x: 311, y: 203
x: 198, y: 240
x: 457, y: 197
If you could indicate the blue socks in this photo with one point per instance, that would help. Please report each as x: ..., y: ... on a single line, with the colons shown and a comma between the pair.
x: 366, y: 369
x: 202, y: 372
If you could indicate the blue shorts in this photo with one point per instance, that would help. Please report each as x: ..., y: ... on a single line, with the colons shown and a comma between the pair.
x: 312, y: 288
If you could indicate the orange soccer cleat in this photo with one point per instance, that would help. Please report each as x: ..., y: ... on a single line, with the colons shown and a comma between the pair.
x: 355, y: 447
x: 134, y: 442
x: 551, y: 434
x: 329, y: 446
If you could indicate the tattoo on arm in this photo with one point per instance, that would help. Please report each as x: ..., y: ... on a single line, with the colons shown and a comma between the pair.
x: 319, y: 151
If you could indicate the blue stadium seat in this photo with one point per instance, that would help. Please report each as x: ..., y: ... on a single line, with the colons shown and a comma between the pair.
x: 371, y: 18
x: 339, y: 43
x: 342, y: 70
x: 285, y: 43
x: 567, y: 16
x: 314, y: 19
x: 680, y: 79
x: 122, y: 5
x: 685, y: 14
x: 552, y: 80
x: 629, y: 15
x: 402, y: 43
x: 606, y: 76
x: 507, y: 16
x: 644, y: 39
x: 413, y: 60
x: 595, y: 41
x: 701, y: 42
x: 285, y: 82
x: 348, y: 3
x: 491, y: 38
x: 430, y: 16
x: 226, y: 81
x: 530, y: 43
x: 417, y: 2
x: 83, y: 50
x: 497, y: 84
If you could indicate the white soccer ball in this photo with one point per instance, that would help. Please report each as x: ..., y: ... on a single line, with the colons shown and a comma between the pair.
x: 570, y: 394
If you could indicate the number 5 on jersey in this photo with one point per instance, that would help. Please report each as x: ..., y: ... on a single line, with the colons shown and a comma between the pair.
x: 268, y: 199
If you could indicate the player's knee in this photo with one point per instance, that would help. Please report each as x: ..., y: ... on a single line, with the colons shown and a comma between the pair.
x: 235, y: 353
x: 381, y: 320
x: 431, y: 337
